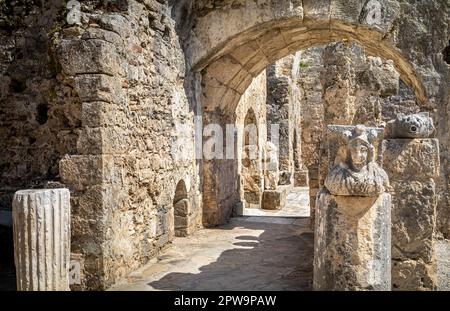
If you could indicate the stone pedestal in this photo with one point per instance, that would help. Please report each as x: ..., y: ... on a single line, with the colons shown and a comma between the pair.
x: 352, y: 247
x: 412, y: 166
x: 41, y: 225
x: 274, y: 199
x: 285, y: 178
x: 301, y: 178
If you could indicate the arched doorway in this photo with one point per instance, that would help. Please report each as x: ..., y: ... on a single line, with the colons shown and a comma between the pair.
x: 226, y: 76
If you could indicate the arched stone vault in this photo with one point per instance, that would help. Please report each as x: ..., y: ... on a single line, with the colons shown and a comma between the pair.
x: 229, y: 59
x: 227, y: 76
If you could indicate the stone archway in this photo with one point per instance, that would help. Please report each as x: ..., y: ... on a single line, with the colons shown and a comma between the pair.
x: 232, y: 64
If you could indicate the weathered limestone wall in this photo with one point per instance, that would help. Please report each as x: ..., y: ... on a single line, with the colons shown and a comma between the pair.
x: 40, y: 117
x: 107, y: 97
x: 283, y: 110
x: 413, y: 167
x: 253, y: 100
x: 341, y: 84
x: 312, y: 115
x: 137, y: 141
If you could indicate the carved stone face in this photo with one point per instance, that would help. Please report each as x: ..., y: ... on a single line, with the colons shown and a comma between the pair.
x: 413, y: 126
x: 358, y: 155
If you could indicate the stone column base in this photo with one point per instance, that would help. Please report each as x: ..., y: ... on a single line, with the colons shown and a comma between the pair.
x: 301, y: 178
x: 285, y: 178
x: 274, y: 199
x: 352, y: 247
x: 41, y: 225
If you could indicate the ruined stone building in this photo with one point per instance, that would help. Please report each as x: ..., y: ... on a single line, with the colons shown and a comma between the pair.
x: 122, y: 102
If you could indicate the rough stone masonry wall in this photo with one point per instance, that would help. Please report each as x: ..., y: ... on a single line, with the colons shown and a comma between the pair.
x: 116, y: 109
x: 283, y: 110
x: 342, y: 85
x: 254, y: 98
x: 40, y: 118
x: 134, y: 113
x: 413, y: 166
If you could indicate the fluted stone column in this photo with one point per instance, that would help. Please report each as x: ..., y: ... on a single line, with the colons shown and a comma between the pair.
x: 41, y: 224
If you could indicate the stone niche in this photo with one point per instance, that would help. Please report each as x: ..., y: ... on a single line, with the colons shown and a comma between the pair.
x: 413, y: 167
x: 352, y: 225
x: 274, y: 196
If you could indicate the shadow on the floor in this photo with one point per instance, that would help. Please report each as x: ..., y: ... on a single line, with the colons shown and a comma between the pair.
x: 281, y: 258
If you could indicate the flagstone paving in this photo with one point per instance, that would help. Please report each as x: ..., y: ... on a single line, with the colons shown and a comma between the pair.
x: 248, y: 253
x: 297, y: 205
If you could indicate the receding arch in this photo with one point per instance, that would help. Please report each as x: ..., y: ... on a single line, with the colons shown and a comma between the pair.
x: 229, y: 68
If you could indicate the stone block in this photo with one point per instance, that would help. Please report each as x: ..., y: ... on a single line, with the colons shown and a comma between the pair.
x: 245, y: 52
x: 273, y: 45
x: 257, y: 63
x: 102, y: 114
x: 81, y: 171
x: 89, y: 56
x: 252, y: 198
x: 301, y: 178
x: 413, y: 220
x: 41, y: 225
x: 317, y: 10
x: 117, y: 23
x: 99, y: 87
x: 216, y: 70
x: 314, y: 183
x: 102, y: 34
x: 239, y: 208
x: 103, y: 140
x: 181, y: 222
x: 411, y: 159
x: 346, y: 10
x: 413, y: 275
x: 274, y: 199
x: 412, y: 165
x: 352, y: 247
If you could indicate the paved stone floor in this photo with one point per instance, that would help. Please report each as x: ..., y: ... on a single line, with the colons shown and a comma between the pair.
x: 297, y: 205
x: 443, y: 264
x: 248, y: 253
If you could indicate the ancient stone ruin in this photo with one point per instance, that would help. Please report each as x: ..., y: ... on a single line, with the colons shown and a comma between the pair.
x: 141, y: 137
x: 353, y: 218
